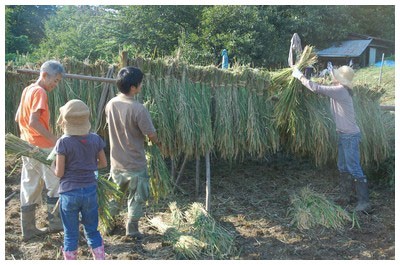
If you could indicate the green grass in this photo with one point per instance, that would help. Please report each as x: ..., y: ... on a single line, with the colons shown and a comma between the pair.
x: 370, y: 76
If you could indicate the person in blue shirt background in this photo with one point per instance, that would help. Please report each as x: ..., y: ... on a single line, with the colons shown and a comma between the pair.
x: 225, y: 60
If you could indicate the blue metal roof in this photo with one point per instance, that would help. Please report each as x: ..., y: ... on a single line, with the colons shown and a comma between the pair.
x: 349, y: 48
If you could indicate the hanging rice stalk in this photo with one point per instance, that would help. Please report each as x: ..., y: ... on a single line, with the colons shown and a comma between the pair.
x: 197, y: 109
x: 160, y: 180
x: 224, y: 124
x: 256, y: 128
x: 161, y: 95
x: 309, y: 209
x: 374, y: 146
x: 202, y: 127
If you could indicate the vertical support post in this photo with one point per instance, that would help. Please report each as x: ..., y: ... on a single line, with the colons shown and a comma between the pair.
x: 197, y: 175
x: 208, y: 182
x: 380, y: 72
x: 172, y: 169
x: 124, y: 59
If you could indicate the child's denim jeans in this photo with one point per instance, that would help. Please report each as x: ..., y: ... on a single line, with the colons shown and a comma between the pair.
x: 82, y: 203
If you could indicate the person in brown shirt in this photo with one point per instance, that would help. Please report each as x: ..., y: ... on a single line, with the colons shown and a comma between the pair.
x: 129, y: 123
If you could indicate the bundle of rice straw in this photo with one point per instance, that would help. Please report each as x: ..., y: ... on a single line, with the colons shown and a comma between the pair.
x: 194, y: 233
x: 18, y: 147
x: 303, y: 118
x: 160, y: 180
x: 309, y: 209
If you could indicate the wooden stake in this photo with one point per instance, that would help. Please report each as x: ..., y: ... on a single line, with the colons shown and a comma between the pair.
x: 124, y: 58
x: 208, y: 182
x: 197, y: 175
x: 380, y: 72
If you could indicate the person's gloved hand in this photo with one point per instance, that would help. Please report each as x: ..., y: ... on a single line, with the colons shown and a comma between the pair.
x: 296, y: 73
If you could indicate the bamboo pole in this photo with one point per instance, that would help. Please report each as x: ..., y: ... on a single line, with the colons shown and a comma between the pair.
x: 380, y: 71
x: 9, y: 197
x: 180, y: 173
x: 208, y: 182
x: 72, y: 76
x: 197, y: 175
x: 387, y: 107
x: 172, y: 169
x: 106, y: 95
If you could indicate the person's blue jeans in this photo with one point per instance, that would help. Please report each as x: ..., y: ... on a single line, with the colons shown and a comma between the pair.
x: 349, y: 155
x: 80, y: 201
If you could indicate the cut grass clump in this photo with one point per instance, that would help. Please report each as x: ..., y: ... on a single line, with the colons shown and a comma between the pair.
x: 309, y: 209
x: 194, y: 234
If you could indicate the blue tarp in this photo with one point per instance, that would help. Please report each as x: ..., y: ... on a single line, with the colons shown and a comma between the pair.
x: 225, y: 61
x: 385, y: 63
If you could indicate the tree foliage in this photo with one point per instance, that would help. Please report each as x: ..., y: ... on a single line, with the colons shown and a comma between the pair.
x: 83, y: 32
x: 25, y: 27
x: 255, y: 35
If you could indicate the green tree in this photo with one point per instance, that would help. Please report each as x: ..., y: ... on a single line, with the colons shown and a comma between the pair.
x: 83, y: 32
x: 156, y: 30
x: 377, y: 21
x: 24, y: 26
x: 255, y: 35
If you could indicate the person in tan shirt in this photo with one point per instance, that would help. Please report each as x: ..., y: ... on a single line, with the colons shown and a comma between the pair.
x: 129, y: 123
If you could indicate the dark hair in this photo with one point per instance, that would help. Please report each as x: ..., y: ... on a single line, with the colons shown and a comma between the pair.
x: 127, y: 77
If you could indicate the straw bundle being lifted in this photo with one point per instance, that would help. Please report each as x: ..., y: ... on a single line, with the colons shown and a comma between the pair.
x: 305, y: 121
x: 303, y: 118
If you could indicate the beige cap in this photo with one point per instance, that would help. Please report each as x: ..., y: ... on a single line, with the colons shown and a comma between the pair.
x: 344, y: 75
x: 74, y: 118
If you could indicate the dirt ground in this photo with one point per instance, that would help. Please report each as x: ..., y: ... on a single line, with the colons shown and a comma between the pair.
x: 251, y: 199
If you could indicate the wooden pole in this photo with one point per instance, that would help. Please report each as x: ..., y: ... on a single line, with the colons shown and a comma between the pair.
x: 380, y: 72
x: 197, y: 175
x: 208, y: 182
x: 72, y: 76
x: 387, y: 107
x: 172, y: 169
x: 124, y: 58
x: 180, y: 173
